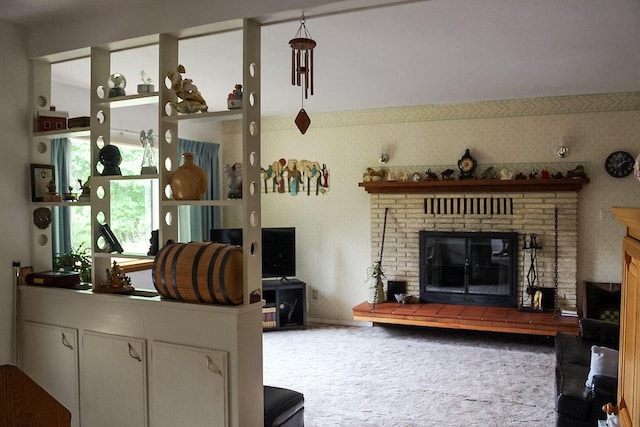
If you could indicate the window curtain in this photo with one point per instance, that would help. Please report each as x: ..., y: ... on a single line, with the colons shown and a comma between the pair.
x: 200, y: 220
x: 61, y: 215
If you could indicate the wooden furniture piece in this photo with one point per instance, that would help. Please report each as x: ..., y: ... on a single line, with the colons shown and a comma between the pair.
x: 475, y: 186
x: 629, y: 362
x: 24, y: 403
x: 493, y: 319
x: 288, y: 298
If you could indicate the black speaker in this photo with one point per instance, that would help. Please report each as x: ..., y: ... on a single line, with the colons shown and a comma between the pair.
x: 395, y: 287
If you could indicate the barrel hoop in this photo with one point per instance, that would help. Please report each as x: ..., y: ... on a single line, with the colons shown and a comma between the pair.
x: 163, y: 280
x: 223, y: 289
x: 174, y: 263
x: 212, y: 262
x: 194, y: 272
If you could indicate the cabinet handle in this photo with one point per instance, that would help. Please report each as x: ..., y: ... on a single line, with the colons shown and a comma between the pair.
x: 212, y: 367
x: 66, y: 342
x: 133, y: 353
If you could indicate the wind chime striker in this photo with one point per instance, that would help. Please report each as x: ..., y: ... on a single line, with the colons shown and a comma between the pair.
x: 302, y: 69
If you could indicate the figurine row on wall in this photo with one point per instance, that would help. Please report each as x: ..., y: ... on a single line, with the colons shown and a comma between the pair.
x: 295, y: 176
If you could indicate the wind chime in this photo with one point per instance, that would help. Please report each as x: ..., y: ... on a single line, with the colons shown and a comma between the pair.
x: 302, y: 69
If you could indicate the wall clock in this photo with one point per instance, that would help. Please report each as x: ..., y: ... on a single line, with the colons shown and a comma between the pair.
x: 619, y: 164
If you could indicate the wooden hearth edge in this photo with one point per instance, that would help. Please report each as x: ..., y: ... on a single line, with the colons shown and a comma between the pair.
x: 491, y: 319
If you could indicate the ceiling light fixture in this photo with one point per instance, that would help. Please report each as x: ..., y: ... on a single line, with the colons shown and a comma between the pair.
x: 302, y: 69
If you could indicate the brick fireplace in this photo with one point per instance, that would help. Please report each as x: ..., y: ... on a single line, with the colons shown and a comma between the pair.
x: 522, y: 212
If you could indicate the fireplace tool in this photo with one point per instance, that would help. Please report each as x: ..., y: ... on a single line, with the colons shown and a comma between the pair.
x: 374, y: 272
x: 532, y: 289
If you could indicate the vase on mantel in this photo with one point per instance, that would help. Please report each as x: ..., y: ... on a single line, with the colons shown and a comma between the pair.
x: 189, y: 181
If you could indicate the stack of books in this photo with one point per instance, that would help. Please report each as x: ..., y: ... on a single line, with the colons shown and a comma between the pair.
x: 569, y: 311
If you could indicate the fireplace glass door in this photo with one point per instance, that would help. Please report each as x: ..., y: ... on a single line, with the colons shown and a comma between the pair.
x: 468, y: 268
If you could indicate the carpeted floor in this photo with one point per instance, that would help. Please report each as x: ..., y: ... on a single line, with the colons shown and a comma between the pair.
x: 410, y: 377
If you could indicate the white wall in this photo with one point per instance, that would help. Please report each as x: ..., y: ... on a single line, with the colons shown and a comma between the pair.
x: 15, y: 215
x: 333, y: 230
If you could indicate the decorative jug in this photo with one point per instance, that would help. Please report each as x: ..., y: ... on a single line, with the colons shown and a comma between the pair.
x: 189, y: 181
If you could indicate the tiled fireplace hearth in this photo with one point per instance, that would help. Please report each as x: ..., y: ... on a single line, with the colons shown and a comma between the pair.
x: 522, y: 212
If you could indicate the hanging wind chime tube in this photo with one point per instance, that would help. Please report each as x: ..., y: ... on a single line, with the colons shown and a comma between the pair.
x: 302, y: 46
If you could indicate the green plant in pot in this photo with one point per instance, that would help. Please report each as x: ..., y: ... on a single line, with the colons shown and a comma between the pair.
x: 78, y: 259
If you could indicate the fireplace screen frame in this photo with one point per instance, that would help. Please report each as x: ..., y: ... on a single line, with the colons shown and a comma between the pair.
x: 449, y: 290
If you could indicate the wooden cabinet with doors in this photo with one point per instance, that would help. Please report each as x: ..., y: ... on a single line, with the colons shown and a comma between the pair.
x: 629, y: 368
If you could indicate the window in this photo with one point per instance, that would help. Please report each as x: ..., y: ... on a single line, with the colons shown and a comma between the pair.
x: 134, y: 212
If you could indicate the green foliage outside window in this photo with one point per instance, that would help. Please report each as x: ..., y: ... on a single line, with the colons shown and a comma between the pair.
x: 132, y: 201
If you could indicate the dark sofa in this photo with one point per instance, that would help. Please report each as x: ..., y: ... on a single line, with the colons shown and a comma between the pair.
x: 576, y: 404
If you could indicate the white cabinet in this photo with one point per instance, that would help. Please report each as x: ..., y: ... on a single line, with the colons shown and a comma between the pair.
x: 188, y: 383
x: 113, y: 380
x: 49, y: 355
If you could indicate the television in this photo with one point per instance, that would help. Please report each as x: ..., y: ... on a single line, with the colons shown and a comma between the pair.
x: 278, y: 248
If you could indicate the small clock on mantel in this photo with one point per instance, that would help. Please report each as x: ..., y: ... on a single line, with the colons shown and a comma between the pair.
x: 619, y: 164
x: 467, y: 165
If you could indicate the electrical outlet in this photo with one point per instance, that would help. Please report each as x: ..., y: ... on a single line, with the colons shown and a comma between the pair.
x: 314, y: 294
x: 606, y: 215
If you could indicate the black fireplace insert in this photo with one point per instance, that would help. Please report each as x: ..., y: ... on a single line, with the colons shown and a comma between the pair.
x: 470, y: 268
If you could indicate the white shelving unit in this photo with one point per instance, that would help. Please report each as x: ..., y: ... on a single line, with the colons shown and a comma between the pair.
x: 242, y: 344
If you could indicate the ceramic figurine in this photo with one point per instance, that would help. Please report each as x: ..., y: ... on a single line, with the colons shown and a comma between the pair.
x: 191, y: 99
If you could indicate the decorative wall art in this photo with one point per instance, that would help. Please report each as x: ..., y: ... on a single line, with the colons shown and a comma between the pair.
x: 295, y: 176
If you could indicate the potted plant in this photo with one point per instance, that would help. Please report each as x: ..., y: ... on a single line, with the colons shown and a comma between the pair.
x: 78, y: 260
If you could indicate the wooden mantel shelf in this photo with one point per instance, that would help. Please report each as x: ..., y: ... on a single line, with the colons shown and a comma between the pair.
x: 475, y: 186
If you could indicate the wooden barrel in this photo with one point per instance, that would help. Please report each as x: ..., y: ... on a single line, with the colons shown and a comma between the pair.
x: 199, y: 272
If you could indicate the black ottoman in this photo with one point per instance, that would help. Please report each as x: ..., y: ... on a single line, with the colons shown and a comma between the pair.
x: 283, y: 407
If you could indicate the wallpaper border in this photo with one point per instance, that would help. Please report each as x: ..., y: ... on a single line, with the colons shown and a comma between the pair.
x: 569, y: 104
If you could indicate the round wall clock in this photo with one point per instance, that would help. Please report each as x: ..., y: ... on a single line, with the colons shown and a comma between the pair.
x: 619, y: 164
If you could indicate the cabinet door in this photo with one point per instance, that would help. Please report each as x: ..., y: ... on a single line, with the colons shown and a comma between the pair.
x: 113, y: 381
x: 188, y: 383
x: 629, y: 369
x: 49, y: 355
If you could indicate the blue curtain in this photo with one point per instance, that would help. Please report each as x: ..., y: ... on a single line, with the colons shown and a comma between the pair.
x: 202, y: 219
x: 61, y: 216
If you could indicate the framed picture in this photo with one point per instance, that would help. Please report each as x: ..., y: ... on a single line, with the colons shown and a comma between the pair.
x: 41, y: 176
x: 111, y: 238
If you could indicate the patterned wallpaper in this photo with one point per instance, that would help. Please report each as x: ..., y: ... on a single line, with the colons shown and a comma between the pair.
x: 333, y: 231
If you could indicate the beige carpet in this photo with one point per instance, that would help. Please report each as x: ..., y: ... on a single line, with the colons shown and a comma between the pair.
x: 409, y: 377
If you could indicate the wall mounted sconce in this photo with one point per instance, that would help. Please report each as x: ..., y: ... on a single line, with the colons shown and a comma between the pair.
x: 562, y: 151
x: 383, y: 158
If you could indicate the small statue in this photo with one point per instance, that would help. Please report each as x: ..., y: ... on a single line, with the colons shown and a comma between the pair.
x: 86, y: 189
x: 557, y: 175
x: 191, y: 99
x: 489, y: 173
x: 234, y: 100
x: 374, y: 175
x: 116, y: 277
x: 148, y: 156
x: 376, y: 286
x: 447, y: 174
x: 577, y: 172
x: 505, y: 174
x: 147, y: 84
x: 534, y: 173
x: 430, y: 175
x: 233, y: 174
